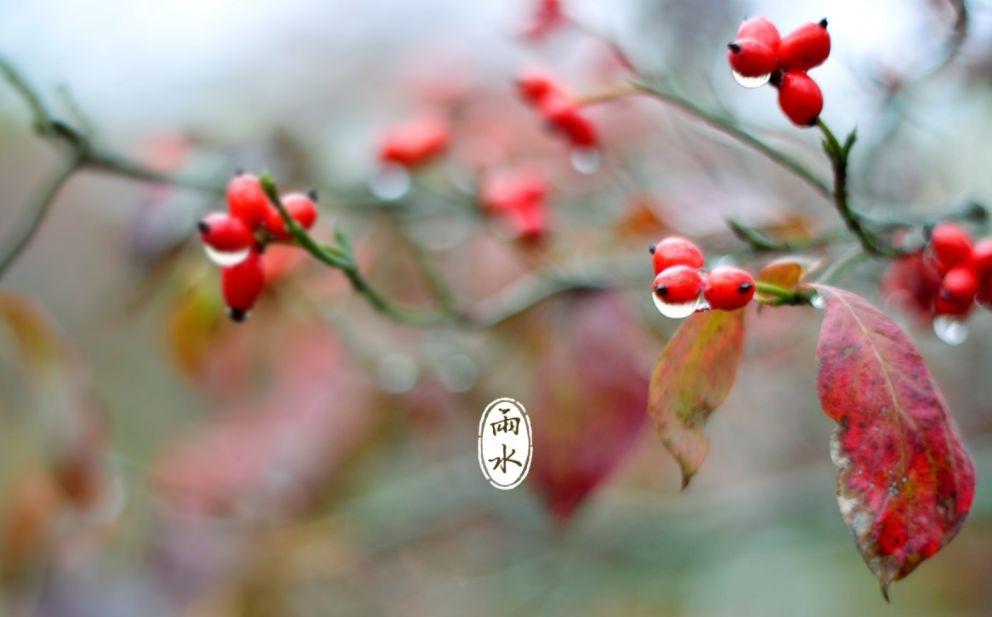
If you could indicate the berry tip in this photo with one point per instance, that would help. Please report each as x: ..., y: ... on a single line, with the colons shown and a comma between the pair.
x: 734, y: 47
x: 203, y: 227
x: 823, y: 23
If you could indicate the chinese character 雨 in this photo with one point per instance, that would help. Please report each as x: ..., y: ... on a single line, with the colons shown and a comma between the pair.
x: 506, y: 425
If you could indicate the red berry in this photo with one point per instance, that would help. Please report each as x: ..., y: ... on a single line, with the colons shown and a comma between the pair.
x: 224, y: 232
x: 299, y: 206
x: 981, y: 258
x: 984, y: 295
x: 959, y: 285
x: 806, y: 47
x: 727, y: 288
x: 800, y: 98
x: 502, y: 191
x: 950, y: 245
x: 414, y: 142
x: 678, y: 285
x: 247, y: 200
x: 751, y: 58
x: 761, y: 30
x: 943, y: 306
x: 529, y: 220
x: 676, y: 251
x: 242, y: 285
x: 912, y: 283
x: 535, y: 86
x: 568, y: 118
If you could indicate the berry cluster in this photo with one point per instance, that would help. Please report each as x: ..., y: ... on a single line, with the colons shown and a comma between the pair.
x: 237, y: 238
x: 680, y: 279
x: 520, y: 197
x: 759, y: 52
x: 558, y: 108
x: 965, y: 270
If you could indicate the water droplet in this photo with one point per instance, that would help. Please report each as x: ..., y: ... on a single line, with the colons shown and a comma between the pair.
x: 458, y: 372
x: 397, y: 373
x: 226, y: 259
x: 951, y: 330
x: 585, y: 160
x: 752, y: 82
x: 390, y: 182
x: 818, y: 302
x: 674, y: 311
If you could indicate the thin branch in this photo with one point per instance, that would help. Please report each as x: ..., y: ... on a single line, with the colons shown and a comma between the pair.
x: 342, y: 257
x: 838, y: 154
x: 36, y: 212
x: 761, y: 242
x: 728, y: 126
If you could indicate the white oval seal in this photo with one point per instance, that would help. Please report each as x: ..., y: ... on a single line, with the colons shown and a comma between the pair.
x: 505, y: 443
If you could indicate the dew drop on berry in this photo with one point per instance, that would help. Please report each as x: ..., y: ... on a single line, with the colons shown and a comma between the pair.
x: 674, y: 311
x: 226, y: 259
x: 950, y: 330
x: 751, y: 82
x: 390, y: 182
x: 818, y: 302
x: 585, y: 160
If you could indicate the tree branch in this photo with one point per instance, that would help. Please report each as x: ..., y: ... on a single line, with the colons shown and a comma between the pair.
x: 36, y: 212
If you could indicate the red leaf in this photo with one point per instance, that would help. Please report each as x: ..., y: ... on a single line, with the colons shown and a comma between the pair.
x: 692, y: 378
x: 906, y: 481
x: 588, y: 408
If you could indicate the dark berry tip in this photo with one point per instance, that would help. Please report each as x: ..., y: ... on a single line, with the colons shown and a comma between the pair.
x: 823, y: 23
x: 745, y: 287
x: 652, y: 248
x: 237, y: 315
x: 312, y: 194
x: 734, y: 47
x: 814, y: 121
x: 661, y: 290
x: 203, y: 227
x: 239, y: 172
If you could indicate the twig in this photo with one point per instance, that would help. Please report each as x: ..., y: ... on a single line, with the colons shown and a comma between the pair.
x: 342, y: 258
x: 838, y: 154
x: 36, y: 212
x: 728, y: 126
x: 760, y: 242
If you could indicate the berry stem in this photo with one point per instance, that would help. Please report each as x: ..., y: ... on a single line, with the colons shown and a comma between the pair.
x: 782, y: 296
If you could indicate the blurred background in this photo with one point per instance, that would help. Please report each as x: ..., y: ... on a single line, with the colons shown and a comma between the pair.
x: 157, y: 459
